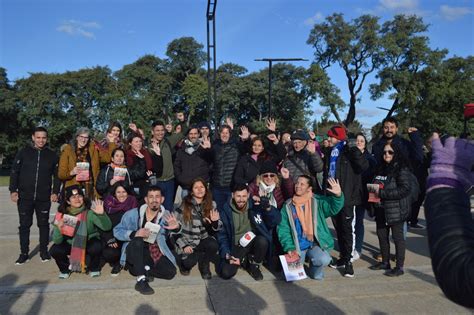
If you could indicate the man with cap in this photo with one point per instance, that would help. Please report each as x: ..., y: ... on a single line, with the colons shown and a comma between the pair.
x: 31, y: 189
x: 345, y: 164
x: 246, y: 236
x: 204, y: 129
x: 188, y: 164
x: 302, y: 159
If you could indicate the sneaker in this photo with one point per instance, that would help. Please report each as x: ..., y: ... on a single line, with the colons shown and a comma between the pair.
x: 45, y: 256
x: 380, y: 266
x: 204, y: 270
x: 23, y: 258
x: 355, y: 256
x: 64, y: 275
x: 143, y: 287
x: 116, y: 270
x: 395, y: 272
x: 416, y: 226
x: 94, y: 274
x: 254, y: 271
x: 336, y: 264
x: 348, y: 271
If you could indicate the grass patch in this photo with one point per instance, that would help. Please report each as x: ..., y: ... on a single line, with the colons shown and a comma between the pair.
x: 4, y: 181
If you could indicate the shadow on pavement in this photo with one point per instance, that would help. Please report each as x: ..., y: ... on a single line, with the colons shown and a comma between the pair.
x: 146, y: 309
x: 7, y: 284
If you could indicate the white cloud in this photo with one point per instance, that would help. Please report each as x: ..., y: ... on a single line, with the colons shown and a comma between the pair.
x: 318, y: 17
x: 399, y: 5
x: 364, y: 112
x: 454, y: 13
x: 78, y: 28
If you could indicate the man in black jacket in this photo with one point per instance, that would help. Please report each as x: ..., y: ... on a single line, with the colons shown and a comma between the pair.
x: 345, y: 164
x: 30, y: 188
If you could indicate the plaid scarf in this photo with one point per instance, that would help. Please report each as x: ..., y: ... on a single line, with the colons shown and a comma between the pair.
x: 77, y: 258
x: 155, y: 252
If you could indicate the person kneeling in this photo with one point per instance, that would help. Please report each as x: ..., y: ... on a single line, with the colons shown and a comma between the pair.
x: 303, y: 231
x: 246, y: 234
x: 76, y: 233
x: 144, y: 231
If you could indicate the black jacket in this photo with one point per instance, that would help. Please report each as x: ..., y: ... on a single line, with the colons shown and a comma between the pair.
x: 395, y: 201
x: 32, y: 174
x: 349, y: 168
x: 451, y: 241
x: 103, y: 180
x: 188, y: 167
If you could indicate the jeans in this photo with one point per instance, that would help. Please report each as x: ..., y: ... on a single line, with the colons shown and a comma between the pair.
x: 221, y: 196
x: 318, y: 259
x: 359, y: 228
x: 167, y: 190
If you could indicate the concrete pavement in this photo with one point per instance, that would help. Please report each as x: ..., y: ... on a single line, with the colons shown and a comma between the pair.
x: 34, y: 288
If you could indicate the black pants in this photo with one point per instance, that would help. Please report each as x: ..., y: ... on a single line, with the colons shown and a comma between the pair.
x: 61, y: 251
x: 415, y: 207
x: 203, y: 253
x: 26, y: 208
x: 112, y: 255
x: 398, y: 239
x: 255, y: 252
x: 138, y: 256
x: 344, y: 224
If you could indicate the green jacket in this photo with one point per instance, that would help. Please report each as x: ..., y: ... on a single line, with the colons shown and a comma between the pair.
x: 94, y: 223
x: 167, y: 151
x: 322, y: 207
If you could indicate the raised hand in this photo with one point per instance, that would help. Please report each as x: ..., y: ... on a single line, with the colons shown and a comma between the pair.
x: 229, y: 122
x: 156, y: 148
x: 138, y: 154
x: 271, y: 124
x: 256, y: 200
x: 99, y: 206
x: 133, y: 127
x: 172, y: 223
x: 110, y: 137
x: 245, y: 134
x: 169, y: 127
x: 273, y: 138
x: 214, y: 215
x: 412, y: 129
x: 206, y: 143
x: 312, y: 135
x: 285, y: 173
x: 334, y: 188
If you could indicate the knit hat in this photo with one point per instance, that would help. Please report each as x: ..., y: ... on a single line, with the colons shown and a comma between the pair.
x: 73, y: 190
x: 204, y: 124
x: 268, y: 167
x: 337, y: 132
x: 300, y: 134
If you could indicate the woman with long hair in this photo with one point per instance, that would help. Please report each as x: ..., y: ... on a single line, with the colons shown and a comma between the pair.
x: 139, y: 163
x: 112, y: 173
x: 200, y: 221
x: 76, y: 233
x: 392, y: 204
x: 116, y: 204
x: 112, y: 140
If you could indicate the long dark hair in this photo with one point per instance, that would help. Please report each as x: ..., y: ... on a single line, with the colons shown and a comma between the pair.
x: 398, y: 162
x: 206, y: 204
x: 118, y: 184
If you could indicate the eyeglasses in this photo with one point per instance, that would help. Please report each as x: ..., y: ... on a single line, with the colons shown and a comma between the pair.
x: 82, y: 137
x: 389, y: 152
x: 268, y: 175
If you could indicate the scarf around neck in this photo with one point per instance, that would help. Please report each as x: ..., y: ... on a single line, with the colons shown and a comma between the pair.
x: 304, y: 213
x: 77, y: 258
x: 112, y: 205
x: 335, y: 152
x: 190, y: 147
x: 267, y: 191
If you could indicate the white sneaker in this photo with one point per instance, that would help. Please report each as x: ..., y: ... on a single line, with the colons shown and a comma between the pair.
x: 355, y: 256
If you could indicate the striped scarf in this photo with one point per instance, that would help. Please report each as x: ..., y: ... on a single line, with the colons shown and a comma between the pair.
x: 78, y: 248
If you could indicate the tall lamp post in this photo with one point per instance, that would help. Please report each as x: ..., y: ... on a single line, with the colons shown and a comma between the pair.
x: 270, y: 62
x: 211, y: 49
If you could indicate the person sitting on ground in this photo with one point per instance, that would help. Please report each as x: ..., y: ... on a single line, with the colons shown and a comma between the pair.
x: 116, y: 205
x: 144, y: 231
x: 76, y: 233
x: 200, y: 222
x: 112, y: 173
x: 246, y: 234
x: 303, y: 231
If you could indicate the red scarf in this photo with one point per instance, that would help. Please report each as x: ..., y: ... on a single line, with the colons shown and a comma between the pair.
x: 131, y: 158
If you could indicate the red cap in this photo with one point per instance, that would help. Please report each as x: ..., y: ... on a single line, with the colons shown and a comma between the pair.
x: 337, y: 132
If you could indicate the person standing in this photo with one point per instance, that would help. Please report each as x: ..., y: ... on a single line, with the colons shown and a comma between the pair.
x: 31, y: 179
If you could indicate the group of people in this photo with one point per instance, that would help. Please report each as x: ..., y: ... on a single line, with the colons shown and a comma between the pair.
x: 246, y: 199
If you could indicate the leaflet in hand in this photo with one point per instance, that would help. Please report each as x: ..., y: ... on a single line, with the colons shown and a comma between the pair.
x: 373, y: 190
x: 83, y: 174
x: 69, y: 223
x: 119, y: 173
x: 293, y: 268
x: 154, y: 230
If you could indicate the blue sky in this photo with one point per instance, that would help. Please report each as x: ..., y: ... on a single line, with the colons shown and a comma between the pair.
x: 60, y: 35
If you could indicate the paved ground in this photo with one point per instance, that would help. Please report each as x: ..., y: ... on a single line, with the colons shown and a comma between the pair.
x: 34, y: 288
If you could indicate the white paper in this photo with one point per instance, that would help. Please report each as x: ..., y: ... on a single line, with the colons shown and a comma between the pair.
x: 293, y: 270
x: 154, y: 230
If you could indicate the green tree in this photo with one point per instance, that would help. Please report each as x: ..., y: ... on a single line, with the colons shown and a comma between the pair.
x: 354, y: 46
x: 194, y: 90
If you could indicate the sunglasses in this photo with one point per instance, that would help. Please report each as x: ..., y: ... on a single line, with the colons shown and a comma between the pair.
x: 268, y: 175
x: 389, y: 152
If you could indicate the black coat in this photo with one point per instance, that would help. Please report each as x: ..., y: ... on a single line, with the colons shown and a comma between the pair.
x: 395, y: 204
x: 32, y: 174
x: 103, y: 180
x: 188, y: 167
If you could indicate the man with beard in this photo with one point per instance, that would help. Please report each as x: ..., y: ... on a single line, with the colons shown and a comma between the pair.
x: 246, y: 235
x: 412, y: 150
x: 189, y: 164
x: 143, y: 256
